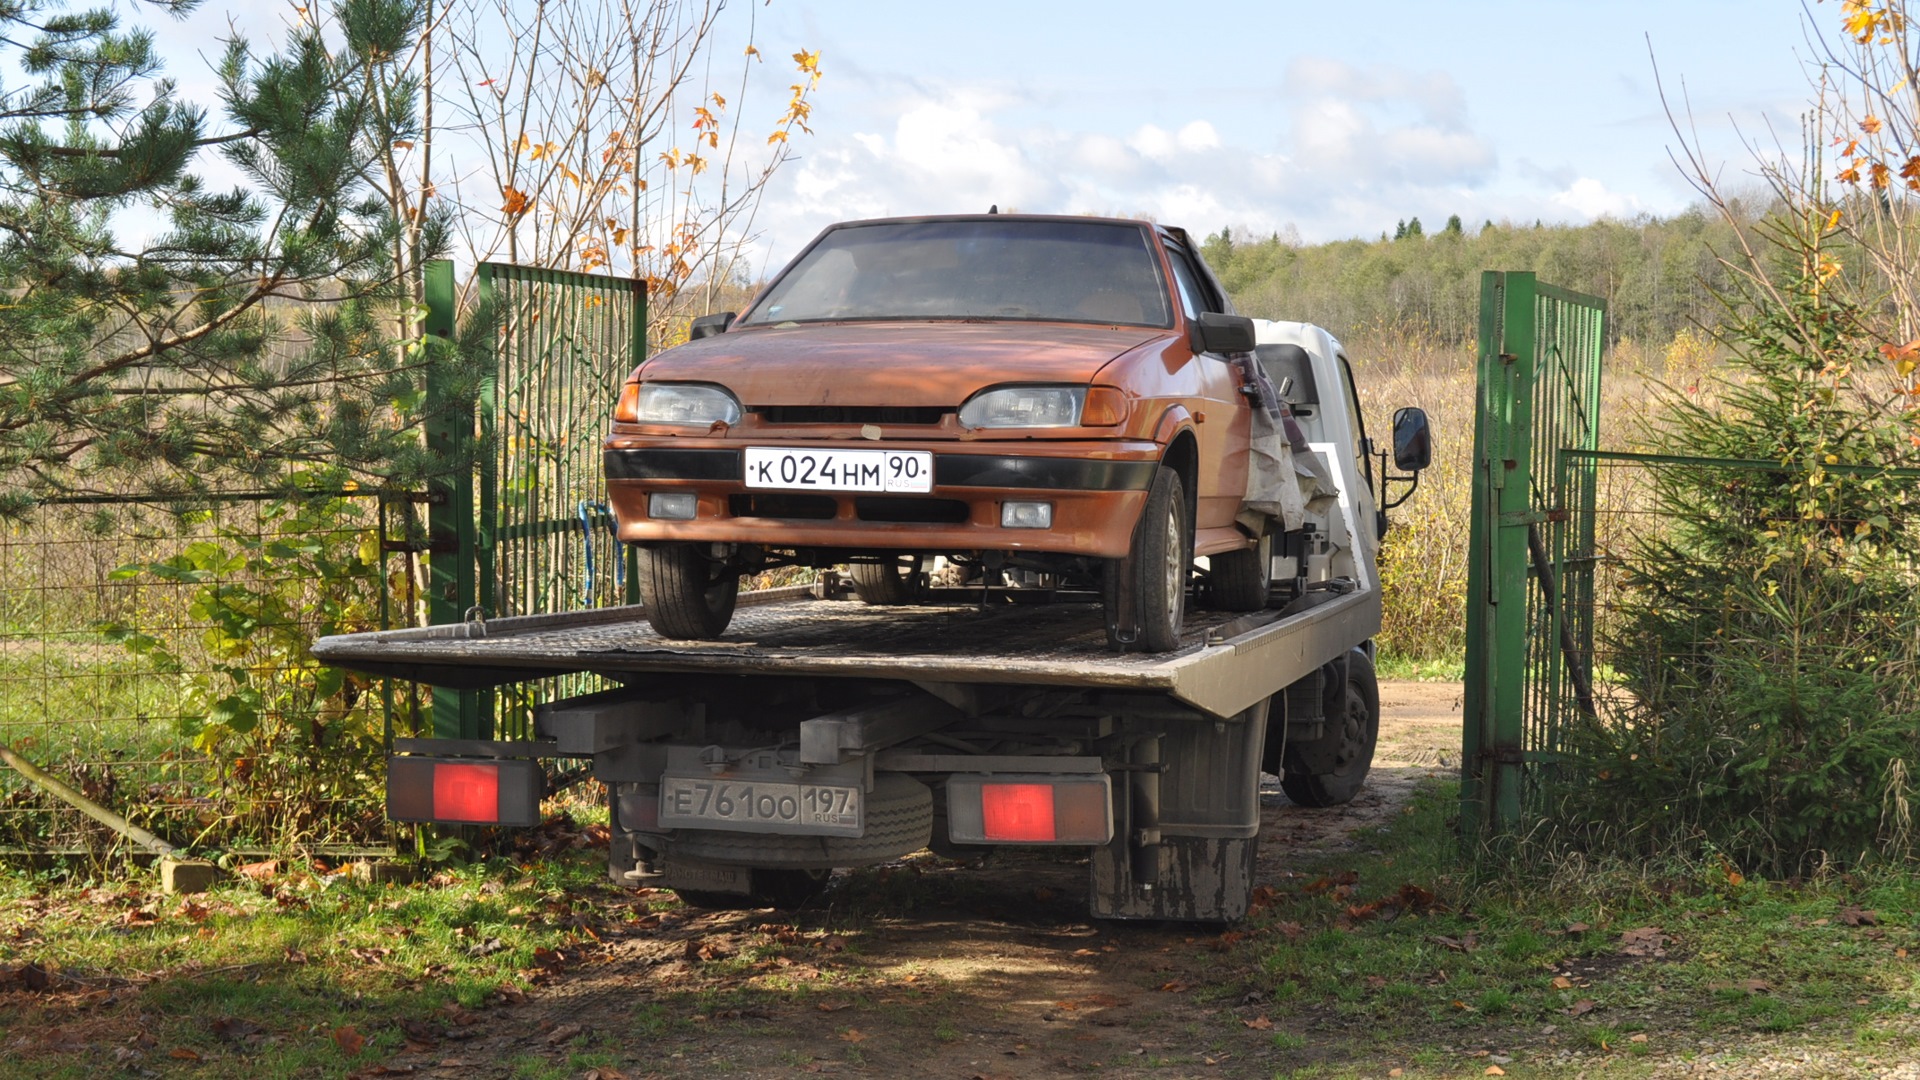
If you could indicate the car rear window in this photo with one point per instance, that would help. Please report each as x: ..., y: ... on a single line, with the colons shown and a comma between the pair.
x: 1059, y: 271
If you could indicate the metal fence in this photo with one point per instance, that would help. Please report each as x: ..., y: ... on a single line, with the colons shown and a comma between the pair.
x: 1531, y: 552
x: 153, y: 656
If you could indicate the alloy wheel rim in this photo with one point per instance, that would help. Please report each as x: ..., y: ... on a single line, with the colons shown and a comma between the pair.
x: 1175, y: 590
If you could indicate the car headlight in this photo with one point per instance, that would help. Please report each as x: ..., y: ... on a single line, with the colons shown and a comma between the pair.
x: 1025, y: 407
x: 683, y: 403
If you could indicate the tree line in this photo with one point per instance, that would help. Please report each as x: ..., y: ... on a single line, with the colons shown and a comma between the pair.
x: 1659, y: 275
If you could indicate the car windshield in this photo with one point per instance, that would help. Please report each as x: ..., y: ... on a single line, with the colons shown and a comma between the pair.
x: 1065, y: 271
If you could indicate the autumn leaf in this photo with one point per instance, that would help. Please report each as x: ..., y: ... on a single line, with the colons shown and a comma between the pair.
x: 853, y: 1035
x: 258, y: 871
x: 1579, y: 1008
x: 181, y: 1053
x: 1561, y: 982
x: 513, y: 202
x: 1871, y: 125
x: 349, y: 1041
x: 1258, y: 1023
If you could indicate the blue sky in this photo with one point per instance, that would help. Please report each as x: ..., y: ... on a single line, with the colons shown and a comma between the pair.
x: 1334, y: 119
x: 1328, y: 119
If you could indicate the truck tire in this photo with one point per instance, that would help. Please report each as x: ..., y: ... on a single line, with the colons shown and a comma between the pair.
x: 899, y: 822
x: 1155, y: 573
x: 1240, y: 580
x: 1356, y: 728
x: 891, y: 582
x: 783, y: 889
x: 688, y: 595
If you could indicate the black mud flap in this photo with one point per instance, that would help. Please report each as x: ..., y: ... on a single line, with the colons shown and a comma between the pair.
x: 1202, y: 879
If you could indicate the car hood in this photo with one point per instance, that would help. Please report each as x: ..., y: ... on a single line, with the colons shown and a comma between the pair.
x: 893, y: 363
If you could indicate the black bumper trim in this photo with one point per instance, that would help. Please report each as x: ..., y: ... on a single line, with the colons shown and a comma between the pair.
x: 673, y: 464
x: 1055, y: 473
x: 949, y: 470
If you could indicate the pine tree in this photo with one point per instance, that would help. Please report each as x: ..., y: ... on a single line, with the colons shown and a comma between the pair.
x: 249, y: 334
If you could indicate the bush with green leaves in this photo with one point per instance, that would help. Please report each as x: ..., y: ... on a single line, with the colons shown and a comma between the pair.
x: 299, y: 745
x: 1766, y: 638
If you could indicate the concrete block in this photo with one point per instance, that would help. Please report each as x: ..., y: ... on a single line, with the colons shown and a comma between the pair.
x: 386, y: 873
x: 186, y: 875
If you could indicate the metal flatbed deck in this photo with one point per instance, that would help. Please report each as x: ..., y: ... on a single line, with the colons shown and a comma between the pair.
x: 1225, y: 663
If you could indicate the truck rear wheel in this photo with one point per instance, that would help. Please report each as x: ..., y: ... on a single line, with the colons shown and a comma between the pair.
x: 1353, y: 731
x: 1239, y: 580
x: 899, y: 822
x: 1155, y: 572
x: 896, y: 581
x: 688, y: 595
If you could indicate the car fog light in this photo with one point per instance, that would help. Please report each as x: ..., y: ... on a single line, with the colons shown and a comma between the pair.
x: 1026, y: 515
x: 671, y: 506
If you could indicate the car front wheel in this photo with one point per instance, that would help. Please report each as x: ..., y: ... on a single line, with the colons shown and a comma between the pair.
x: 688, y: 595
x: 1145, y: 594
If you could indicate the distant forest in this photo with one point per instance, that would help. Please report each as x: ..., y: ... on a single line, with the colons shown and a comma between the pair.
x: 1658, y: 275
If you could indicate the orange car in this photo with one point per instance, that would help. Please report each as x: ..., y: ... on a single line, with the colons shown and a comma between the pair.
x: 1012, y: 392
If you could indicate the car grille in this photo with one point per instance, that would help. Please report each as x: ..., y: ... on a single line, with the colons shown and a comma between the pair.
x: 926, y: 415
x: 912, y: 511
x: 792, y: 507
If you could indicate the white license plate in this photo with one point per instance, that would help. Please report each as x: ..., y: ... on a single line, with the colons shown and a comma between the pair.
x: 761, y: 806
x: 839, y: 470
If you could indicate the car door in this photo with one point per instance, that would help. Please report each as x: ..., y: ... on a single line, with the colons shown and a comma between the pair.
x: 1221, y: 479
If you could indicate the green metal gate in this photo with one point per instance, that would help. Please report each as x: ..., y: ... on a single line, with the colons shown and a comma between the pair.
x: 529, y: 531
x: 1531, y: 542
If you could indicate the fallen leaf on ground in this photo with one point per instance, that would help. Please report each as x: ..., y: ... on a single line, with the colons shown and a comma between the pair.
x: 348, y: 1040
x: 1579, y: 1008
x: 1645, y: 941
x: 1854, y: 916
x: 181, y: 1053
x: 834, y: 1006
x: 258, y: 871
x: 1494, y: 1070
x: 1638, y: 1038
x: 853, y: 1035
x: 1173, y: 986
x: 1561, y: 982
x: 1258, y: 1023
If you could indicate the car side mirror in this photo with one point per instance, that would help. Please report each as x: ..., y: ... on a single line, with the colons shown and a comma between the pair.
x: 1412, y: 440
x: 1217, y: 333
x: 708, y: 325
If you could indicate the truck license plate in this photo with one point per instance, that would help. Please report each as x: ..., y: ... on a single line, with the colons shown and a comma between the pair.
x: 839, y: 470
x: 761, y: 806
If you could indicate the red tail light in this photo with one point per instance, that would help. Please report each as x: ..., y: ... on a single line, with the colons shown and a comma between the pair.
x: 1074, y: 809
x: 466, y: 793
x: 1017, y: 812
x: 463, y: 791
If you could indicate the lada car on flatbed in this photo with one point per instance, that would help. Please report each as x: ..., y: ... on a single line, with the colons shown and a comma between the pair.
x: 1044, y: 396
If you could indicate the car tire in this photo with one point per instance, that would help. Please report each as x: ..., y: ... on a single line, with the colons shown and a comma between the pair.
x: 1240, y: 580
x: 1356, y: 729
x: 783, y: 889
x: 688, y: 595
x: 1156, y: 572
x: 895, y: 581
x: 899, y: 822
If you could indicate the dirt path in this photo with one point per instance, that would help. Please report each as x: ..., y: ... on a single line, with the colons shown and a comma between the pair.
x: 934, y: 969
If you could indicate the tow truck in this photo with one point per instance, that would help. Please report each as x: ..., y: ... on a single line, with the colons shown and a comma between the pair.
x: 821, y: 733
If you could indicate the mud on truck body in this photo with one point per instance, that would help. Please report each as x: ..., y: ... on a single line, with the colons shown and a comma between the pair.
x: 992, y: 706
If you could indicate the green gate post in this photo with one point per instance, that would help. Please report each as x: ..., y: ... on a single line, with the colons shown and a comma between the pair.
x: 452, y: 549
x: 1495, y: 704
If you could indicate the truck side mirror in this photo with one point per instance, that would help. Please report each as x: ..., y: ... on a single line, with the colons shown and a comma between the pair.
x: 1412, y: 440
x: 708, y: 325
x: 1217, y: 333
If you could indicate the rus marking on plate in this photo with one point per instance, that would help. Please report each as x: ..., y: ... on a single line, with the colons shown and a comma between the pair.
x: 839, y: 470
x: 761, y: 806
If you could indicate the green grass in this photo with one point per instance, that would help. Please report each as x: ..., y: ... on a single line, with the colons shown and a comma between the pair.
x: 1405, y: 669
x: 1737, y: 955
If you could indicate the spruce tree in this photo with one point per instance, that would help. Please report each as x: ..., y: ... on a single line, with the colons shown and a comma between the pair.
x: 164, y: 335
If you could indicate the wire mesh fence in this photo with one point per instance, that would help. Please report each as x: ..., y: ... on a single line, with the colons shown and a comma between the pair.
x: 155, y: 658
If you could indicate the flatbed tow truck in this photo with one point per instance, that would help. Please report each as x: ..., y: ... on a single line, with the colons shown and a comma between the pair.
x: 824, y: 733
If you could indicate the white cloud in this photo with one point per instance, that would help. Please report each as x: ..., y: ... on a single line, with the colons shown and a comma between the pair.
x: 1350, y: 151
x: 1590, y: 198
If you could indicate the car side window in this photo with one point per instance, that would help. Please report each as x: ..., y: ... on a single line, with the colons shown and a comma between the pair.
x: 1361, y: 459
x: 1191, y: 298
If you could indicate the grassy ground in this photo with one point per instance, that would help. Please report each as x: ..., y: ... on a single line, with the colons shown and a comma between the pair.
x: 1392, y: 956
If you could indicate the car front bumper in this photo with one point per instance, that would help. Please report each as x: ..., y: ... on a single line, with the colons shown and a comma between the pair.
x: 1096, y: 489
